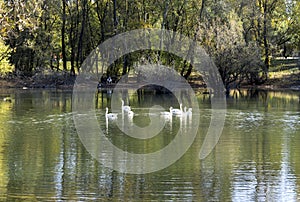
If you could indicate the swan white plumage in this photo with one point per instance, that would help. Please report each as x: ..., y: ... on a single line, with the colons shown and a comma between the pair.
x: 177, y: 112
x: 188, y: 111
x: 130, y: 114
x: 111, y: 116
x: 125, y: 107
x: 167, y: 113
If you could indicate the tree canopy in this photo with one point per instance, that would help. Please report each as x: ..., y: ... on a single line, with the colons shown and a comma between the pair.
x: 242, y: 36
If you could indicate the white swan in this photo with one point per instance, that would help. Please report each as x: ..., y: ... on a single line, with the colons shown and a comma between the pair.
x: 125, y: 107
x: 111, y: 116
x: 167, y: 113
x: 130, y: 114
x: 188, y: 111
x: 177, y: 112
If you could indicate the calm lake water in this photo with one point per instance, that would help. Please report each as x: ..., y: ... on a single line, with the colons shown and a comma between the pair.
x: 256, y: 159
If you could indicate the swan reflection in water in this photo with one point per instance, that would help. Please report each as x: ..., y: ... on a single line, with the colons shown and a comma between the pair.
x: 167, y: 116
x: 109, y: 116
x: 185, y: 116
x: 127, y: 116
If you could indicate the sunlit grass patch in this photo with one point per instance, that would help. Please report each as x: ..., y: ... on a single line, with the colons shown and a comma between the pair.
x: 282, y: 74
x: 282, y: 64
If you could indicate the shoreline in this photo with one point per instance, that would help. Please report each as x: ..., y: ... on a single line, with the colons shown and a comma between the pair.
x: 272, y: 85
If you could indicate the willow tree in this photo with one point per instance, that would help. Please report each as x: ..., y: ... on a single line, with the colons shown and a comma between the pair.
x: 237, y: 61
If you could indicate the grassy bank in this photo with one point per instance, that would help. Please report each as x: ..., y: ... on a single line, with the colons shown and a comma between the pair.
x: 284, y: 74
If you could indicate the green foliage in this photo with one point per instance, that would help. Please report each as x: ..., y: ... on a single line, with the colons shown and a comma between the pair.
x: 5, y: 67
x: 238, y: 34
x: 25, y: 30
x: 236, y: 60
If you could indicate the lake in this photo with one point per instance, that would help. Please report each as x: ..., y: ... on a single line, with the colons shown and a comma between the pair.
x: 257, y: 158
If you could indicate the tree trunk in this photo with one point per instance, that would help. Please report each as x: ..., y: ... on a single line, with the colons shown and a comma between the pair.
x: 72, y: 44
x: 266, y: 44
x: 63, y: 31
x: 192, y: 46
x: 125, y: 67
x: 80, y: 41
x: 101, y: 14
x: 163, y: 27
x: 115, y: 14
